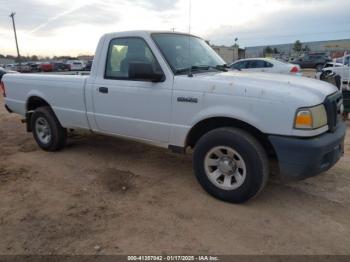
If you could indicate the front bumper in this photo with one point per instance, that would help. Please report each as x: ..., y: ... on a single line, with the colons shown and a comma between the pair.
x: 300, y: 158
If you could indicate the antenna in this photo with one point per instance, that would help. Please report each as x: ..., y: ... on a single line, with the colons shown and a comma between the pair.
x: 189, y: 15
x: 189, y: 38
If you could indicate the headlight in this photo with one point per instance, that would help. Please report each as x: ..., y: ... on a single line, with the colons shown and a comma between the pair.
x: 310, y: 118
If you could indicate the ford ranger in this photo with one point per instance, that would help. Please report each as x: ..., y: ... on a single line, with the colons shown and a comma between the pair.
x: 174, y: 91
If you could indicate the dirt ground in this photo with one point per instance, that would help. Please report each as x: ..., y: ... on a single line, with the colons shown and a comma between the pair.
x: 309, y: 72
x: 111, y: 196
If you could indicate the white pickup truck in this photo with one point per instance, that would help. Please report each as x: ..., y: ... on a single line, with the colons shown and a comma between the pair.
x: 173, y: 90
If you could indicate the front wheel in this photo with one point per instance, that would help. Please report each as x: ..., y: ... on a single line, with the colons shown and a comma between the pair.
x: 230, y: 164
x: 47, y: 131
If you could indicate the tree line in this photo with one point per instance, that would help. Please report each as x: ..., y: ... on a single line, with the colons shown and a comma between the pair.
x: 297, y: 48
x: 35, y: 58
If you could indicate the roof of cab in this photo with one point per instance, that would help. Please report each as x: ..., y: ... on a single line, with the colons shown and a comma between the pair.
x: 142, y: 33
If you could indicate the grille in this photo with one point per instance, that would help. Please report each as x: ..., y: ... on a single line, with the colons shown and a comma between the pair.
x: 333, y: 107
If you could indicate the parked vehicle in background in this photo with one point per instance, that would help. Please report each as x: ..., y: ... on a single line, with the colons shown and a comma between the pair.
x: 4, y: 71
x: 343, y: 59
x: 338, y: 73
x: 316, y: 61
x: 88, y: 66
x: 60, y: 66
x: 144, y: 86
x: 35, y: 66
x: 23, y: 67
x: 76, y: 65
x: 267, y: 65
x: 46, y: 67
x: 340, y: 69
x: 332, y: 64
x: 10, y: 67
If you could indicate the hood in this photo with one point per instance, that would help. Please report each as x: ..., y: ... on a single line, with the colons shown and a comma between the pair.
x: 267, y: 86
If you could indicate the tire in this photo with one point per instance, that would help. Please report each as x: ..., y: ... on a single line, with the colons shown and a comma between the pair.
x: 252, y: 171
x: 44, y: 121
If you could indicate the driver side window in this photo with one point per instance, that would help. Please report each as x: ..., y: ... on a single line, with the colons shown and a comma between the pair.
x: 124, y: 51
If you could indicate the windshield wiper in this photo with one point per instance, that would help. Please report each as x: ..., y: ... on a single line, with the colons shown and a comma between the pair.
x: 192, y: 68
x: 222, y: 67
x: 201, y: 67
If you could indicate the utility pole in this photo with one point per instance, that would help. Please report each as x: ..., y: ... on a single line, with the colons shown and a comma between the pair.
x: 12, y: 15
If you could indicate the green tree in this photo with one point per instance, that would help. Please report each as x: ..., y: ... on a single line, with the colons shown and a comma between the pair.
x: 297, y: 46
x: 34, y: 58
x: 268, y: 51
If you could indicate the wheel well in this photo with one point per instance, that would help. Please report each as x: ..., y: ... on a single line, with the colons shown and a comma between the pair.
x: 34, y: 102
x: 207, y: 125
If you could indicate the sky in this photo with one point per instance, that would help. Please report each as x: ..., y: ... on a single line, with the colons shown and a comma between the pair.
x: 73, y: 27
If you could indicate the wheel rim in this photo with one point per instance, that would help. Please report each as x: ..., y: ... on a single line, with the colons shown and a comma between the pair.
x: 43, y: 130
x: 225, y: 168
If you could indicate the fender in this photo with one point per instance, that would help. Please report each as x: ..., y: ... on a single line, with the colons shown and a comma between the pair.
x: 38, y: 94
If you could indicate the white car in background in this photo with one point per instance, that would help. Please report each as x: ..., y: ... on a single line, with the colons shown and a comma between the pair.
x: 76, y: 65
x: 267, y: 65
x: 10, y: 67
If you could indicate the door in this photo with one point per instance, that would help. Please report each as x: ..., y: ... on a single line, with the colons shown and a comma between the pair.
x: 128, y: 107
x: 307, y: 62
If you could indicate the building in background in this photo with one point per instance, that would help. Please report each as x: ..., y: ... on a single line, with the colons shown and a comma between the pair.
x: 229, y: 54
x: 335, y: 48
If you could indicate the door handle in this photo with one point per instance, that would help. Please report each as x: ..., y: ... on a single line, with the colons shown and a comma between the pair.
x: 103, y: 90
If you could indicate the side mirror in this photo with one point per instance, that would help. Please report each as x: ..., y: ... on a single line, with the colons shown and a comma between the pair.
x: 144, y: 71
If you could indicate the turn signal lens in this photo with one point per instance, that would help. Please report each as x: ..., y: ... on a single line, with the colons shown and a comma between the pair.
x: 2, y: 88
x: 303, y: 119
x: 311, y: 118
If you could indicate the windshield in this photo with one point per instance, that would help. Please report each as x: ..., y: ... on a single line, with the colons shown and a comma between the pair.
x: 184, y: 52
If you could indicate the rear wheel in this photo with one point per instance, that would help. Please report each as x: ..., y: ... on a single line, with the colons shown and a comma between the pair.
x: 230, y: 164
x: 47, y: 131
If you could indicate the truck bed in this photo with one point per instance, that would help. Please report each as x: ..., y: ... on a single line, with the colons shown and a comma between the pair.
x: 65, y: 94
